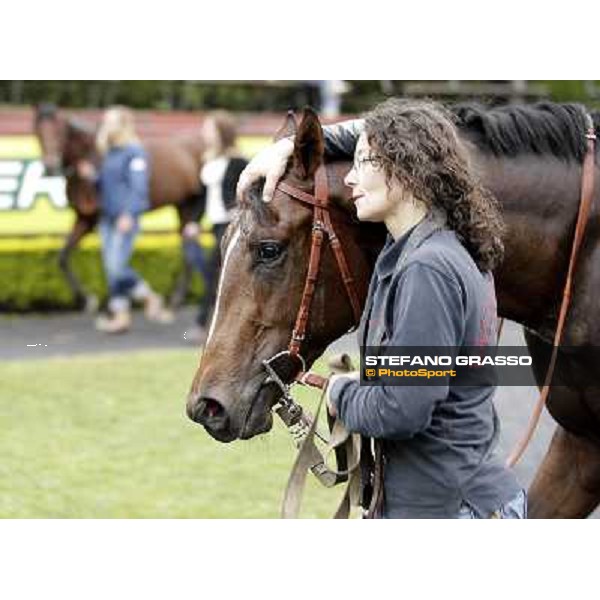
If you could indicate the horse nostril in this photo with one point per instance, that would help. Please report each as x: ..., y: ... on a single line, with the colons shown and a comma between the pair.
x: 213, y: 408
x: 208, y: 410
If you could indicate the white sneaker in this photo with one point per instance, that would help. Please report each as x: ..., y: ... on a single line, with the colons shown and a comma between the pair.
x: 154, y: 310
x: 120, y: 322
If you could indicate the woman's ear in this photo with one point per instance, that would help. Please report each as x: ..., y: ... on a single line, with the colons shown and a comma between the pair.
x: 309, y: 145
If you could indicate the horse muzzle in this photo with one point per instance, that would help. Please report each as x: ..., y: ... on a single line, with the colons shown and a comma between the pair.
x: 242, y: 420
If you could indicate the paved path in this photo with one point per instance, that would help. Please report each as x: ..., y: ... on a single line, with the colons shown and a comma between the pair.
x: 30, y: 337
x: 73, y: 334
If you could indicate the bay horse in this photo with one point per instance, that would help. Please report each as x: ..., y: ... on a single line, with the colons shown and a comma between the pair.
x: 530, y: 157
x: 175, y: 166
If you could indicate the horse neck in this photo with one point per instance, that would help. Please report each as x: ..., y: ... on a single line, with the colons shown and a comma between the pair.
x: 539, y: 200
x: 340, y: 193
x: 196, y: 148
x: 368, y: 238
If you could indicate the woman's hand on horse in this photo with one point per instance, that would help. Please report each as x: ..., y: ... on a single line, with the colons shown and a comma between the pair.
x: 355, y: 375
x: 125, y: 223
x: 270, y: 163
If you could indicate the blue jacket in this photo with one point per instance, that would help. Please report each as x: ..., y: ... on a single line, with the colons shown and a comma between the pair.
x: 123, y: 181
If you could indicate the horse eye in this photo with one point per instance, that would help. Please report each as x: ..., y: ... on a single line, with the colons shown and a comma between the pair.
x: 269, y: 251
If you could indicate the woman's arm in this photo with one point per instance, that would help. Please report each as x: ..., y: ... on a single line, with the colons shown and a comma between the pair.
x: 341, y: 138
x: 136, y: 201
x: 271, y: 162
x: 428, y: 311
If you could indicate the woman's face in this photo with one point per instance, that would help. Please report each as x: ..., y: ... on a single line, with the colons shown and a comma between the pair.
x: 210, y: 134
x: 374, y: 199
x: 112, y: 125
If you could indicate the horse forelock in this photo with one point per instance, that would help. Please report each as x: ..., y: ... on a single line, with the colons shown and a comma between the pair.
x: 340, y: 195
x: 254, y: 205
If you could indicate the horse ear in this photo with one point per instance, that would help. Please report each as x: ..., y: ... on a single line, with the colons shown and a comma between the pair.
x: 309, y: 145
x: 289, y: 127
x: 45, y: 110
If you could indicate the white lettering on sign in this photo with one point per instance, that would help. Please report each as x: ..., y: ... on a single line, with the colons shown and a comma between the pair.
x: 10, y: 168
x: 23, y: 182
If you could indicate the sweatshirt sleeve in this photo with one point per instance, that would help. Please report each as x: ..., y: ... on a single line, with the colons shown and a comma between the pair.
x: 428, y: 311
x: 341, y: 138
x: 137, y: 177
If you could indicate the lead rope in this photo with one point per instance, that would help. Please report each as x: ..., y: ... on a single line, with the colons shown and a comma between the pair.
x: 310, y: 457
x: 499, y: 330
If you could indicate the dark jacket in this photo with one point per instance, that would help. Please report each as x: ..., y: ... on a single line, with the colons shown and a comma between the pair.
x: 228, y: 190
x: 123, y: 181
x: 427, y: 291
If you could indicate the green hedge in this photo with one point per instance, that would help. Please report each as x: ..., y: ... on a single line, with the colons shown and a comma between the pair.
x: 31, y: 280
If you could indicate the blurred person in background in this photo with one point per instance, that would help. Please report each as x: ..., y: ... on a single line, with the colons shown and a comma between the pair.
x: 123, y: 184
x: 221, y: 169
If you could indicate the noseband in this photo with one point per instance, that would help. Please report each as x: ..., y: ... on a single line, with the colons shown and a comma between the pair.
x: 278, y: 366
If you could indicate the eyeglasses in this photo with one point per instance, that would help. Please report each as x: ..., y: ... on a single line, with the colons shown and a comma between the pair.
x: 360, y: 161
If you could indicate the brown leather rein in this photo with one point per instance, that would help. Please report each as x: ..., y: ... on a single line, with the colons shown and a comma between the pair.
x: 289, y: 366
x: 585, y: 202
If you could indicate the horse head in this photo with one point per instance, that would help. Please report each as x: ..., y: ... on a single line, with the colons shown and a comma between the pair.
x: 64, y: 144
x: 266, y: 252
x: 49, y: 129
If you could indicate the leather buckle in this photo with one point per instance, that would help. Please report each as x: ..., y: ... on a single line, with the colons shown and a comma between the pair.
x: 298, y: 337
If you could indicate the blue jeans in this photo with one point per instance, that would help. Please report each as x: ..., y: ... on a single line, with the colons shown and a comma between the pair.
x: 513, y: 509
x: 117, y: 249
x: 194, y: 256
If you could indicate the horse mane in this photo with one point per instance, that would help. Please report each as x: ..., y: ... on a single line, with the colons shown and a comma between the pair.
x: 544, y: 128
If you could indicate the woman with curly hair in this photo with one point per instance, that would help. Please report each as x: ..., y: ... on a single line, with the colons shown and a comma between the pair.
x: 432, y: 286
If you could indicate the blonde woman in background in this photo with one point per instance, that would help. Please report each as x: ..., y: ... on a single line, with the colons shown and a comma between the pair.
x: 123, y: 184
x: 221, y: 169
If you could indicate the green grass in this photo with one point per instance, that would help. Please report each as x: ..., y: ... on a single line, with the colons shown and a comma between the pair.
x: 106, y: 436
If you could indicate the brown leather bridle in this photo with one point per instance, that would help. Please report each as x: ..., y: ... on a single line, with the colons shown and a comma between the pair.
x: 289, y: 366
x: 322, y: 227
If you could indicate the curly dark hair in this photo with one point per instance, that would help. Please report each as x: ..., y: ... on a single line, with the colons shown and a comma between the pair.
x: 418, y: 145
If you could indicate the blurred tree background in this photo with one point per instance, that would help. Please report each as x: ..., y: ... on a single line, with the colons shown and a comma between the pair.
x: 279, y: 95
